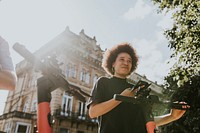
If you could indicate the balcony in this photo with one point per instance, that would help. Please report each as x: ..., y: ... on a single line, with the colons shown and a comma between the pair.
x: 75, y: 118
x: 17, y: 114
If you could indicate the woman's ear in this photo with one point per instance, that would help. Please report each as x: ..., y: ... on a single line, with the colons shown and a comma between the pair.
x: 113, y: 64
x: 113, y: 68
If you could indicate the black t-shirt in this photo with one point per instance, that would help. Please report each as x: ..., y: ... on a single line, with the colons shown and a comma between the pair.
x: 126, y: 117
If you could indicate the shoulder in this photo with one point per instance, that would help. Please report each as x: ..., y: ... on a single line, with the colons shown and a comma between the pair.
x: 103, y: 79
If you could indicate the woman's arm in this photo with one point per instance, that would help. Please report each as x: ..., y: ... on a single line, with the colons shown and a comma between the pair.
x: 99, y: 109
x: 96, y: 110
x: 174, y: 115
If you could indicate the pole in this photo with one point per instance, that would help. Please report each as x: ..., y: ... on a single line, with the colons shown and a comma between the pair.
x: 44, y: 98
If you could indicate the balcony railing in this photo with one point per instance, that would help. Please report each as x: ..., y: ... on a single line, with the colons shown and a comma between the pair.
x: 74, y: 116
x: 17, y: 114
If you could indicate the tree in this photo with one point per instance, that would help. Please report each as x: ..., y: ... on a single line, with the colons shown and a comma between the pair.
x: 183, y: 81
x: 184, y: 37
x: 190, y: 93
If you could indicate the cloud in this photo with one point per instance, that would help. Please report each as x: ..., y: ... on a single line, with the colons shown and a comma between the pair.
x: 139, y: 11
x: 148, y: 52
x: 152, y: 62
x: 165, y: 21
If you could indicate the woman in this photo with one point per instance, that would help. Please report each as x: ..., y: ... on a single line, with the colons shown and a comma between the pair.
x: 116, y: 116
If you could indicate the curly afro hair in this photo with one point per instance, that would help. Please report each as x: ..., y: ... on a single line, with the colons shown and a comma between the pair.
x: 111, y: 55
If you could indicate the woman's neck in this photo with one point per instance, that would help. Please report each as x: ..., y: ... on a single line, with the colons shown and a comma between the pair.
x: 120, y: 76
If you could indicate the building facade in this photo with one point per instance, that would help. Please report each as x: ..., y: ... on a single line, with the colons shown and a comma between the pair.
x: 79, y: 58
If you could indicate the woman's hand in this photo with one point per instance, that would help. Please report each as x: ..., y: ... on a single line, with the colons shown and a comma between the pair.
x: 129, y: 92
x: 178, y: 113
x: 175, y: 114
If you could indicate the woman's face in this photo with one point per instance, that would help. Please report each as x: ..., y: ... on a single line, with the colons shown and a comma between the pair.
x: 122, y: 65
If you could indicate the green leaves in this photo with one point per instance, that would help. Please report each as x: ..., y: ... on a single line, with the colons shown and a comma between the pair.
x: 183, y: 81
x: 184, y: 37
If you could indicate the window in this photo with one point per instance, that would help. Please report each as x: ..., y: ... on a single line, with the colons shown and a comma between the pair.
x: 64, y: 130
x: 81, y: 110
x: 95, y: 79
x: 34, y: 106
x: 8, y: 127
x: 82, y: 75
x: 25, y: 109
x: 22, y: 128
x: 71, y: 70
x: 85, y: 76
x: 66, y: 105
x: 80, y: 131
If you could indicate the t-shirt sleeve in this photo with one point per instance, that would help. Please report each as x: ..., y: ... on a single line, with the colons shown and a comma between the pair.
x: 5, y: 58
x: 97, y: 95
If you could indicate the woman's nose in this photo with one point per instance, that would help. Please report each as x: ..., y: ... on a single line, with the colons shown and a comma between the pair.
x: 126, y: 62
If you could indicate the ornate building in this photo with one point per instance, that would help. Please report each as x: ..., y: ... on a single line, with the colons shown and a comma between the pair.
x: 80, y: 61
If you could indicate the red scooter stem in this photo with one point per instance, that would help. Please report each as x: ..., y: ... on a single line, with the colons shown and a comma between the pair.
x: 42, y: 121
x: 151, y: 126
x: 44, y: 98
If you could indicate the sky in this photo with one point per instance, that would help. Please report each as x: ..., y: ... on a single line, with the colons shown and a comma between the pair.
x: 33, y: 23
